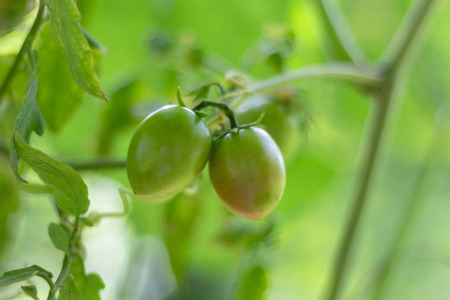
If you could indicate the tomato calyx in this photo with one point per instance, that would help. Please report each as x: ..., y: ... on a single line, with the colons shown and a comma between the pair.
x: 222, y: 106
x: 236, y: 129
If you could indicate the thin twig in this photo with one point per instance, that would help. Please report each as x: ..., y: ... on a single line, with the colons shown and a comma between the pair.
x: 28, y: 40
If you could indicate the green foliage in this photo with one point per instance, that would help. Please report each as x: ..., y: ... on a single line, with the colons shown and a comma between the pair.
x: 9, y: 202
x: 68, y: 188
x: 117, y: 116
x: 58, y: 95
x: 90, y: 284
x: 30, y: 118
x: 59, y: 237
x: 66, y: 30
x: 155, y: 46
x: 24, y: 274
x: 69, y: 291
x: 253, y: 284
x: 31, y: 291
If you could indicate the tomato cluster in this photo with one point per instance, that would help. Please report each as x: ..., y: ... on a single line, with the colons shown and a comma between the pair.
x: 172, y: 146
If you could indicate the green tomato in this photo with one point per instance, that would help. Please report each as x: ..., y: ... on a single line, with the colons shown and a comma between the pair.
x: 247, y: 172
x: 169, y: 149
x: 280, y: 121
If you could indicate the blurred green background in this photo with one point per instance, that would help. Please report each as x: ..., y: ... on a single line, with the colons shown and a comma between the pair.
x: 190, y: 247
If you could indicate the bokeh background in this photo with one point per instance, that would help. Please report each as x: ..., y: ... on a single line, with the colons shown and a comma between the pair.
x: 190, y: 247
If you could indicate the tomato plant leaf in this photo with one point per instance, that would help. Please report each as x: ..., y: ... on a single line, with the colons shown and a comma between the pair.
x: 89, y: 284
x: 65, y: 22
x: 30, y: 118
x: 92, y: 41
x: 117, y: 115
x: 9, y: 202
x: 58, y: 95
x: 69, y: 291
x: 31, y: 291
x: 94, y: 284
x: 253, y: 284
x: 69, y: 189
x: 87, y: 222
x: 23, y: 274
x: 59, y: 237
x: 17, y: 275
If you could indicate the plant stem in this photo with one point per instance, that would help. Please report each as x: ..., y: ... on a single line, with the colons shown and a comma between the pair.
x: 385, y: 96
x: 374, y: 143
x: 414, y: 207
x: 339, y: 71
x: 62, y: 276
x: 65, y: 270
x: 222, y: 106
x: 340, y: 32
x: 99, y: 164
x: 29, y: 39
x: 407, y: 34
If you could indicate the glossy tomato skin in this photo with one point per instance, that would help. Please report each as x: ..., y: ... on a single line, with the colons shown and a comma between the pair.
x: 280, y: 121
x: 169, y: 149
x: 247, y: 172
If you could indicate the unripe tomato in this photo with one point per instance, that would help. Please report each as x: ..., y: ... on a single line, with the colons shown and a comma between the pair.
x: 247, y: 172
x: 169, y: 149
x: 280, y: 120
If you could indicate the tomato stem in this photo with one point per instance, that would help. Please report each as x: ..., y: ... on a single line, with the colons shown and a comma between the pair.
x: 28, y: 40
x: 222, y: 106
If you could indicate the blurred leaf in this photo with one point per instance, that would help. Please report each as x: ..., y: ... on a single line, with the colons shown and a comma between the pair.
x: 87, y: 222
x: 69, y: 291
x: 65, y: 20
x: 23, y: 274
x: 161, y: 42
x: 58, y: 95
x: 275, y: 60
x: 31, y: 291
x: 12, y: 12
x: 181, y: 215
x: 202, y: 92
x: 86, y: 9
x: 243, y: 233
x: 195, y: 56
x: 30, y: 118
x: 89, y: 284
x: 9, y: 202
x: 93, y: 42
x: 59, y: 237
x: 161, y: 83
x: 117, y: 115
x: 69, y: 189
x: 253, y: 284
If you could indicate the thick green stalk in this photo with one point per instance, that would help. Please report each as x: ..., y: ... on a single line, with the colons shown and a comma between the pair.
x: 368, y: 167
x: 414, y: 207
x: 385, y: 96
